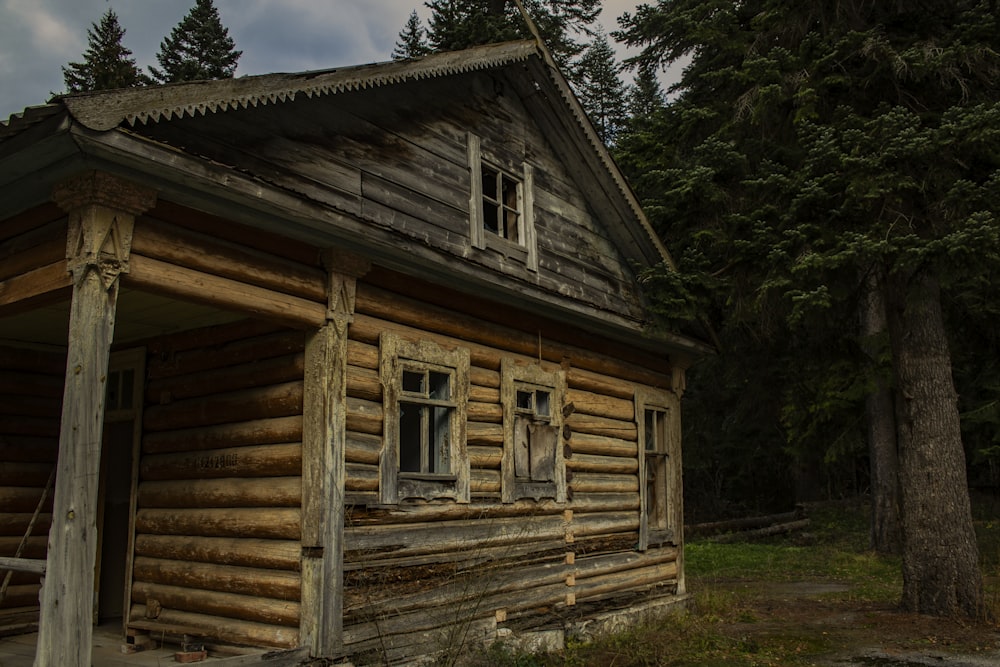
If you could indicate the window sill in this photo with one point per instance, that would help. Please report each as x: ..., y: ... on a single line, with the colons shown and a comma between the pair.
x: 426, y: 486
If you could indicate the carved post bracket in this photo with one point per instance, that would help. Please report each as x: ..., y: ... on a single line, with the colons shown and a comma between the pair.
x: 343, y: 268
x: 102, y: 210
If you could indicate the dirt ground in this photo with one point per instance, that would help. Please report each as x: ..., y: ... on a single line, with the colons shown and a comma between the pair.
x: 857, y: 633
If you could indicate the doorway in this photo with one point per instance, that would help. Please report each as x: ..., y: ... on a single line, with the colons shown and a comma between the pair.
x: 119, y: 468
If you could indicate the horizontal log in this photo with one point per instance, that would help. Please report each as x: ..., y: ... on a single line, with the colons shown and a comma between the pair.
x: 480, y: 394
x: 39, y: 427
x: 49, y: 407
x: 589, y: 403
x: 205, y: 493
x: 262, y: 523
x: 16, y: 523
x: 21, y: 383
x: 22, y: 595
x: 222, y: 346
x: 239, y: 434
x: 608, y: 465
x: 162, y: 278
x: 364, y: 416
x: 28, y: 448
x: 363, y: 383
x: 213, y: 627
x: 484, y: 481
x: 33, y: 247
x: 24, y: 474
x: 33, y: 360
x: 601, y: 565
x: 484, y: 377
x: 194, y: 250
x: 43, y: 280
x: 604, y: 523
x: 618, y: 583
x: 743, y: 523
x: 485, y: 457
x: 490, y: 413
x: 361, y: 354
x: 612, y: 428
x: 600, y: 483
x: 253, y: 461
x: 767, y: 531
x: 35, y: 546
x: 20, y: 499
x: 281, y: 400
x: 363, y: 448
x: 361, y: 477
x: 229, y: 605
x: 275, y: 584
x: 480, y: 433
x: 600, y: 445
x: 578, y: 378
x: 219, y: 380
x: 246, y: 552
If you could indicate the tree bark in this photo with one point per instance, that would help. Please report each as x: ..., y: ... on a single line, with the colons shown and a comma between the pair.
x: 941, y: 573
x: 883, y: 457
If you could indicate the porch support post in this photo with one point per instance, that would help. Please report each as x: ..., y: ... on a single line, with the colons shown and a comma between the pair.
x: 102, y: 211
x: 324, y: 437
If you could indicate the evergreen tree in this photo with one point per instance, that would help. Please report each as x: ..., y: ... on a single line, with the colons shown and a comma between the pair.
x: 601, y: 90
x: 199, y: 47
x: 816, y: 152
x: 460, y: 24
x: 106, y: 62
x: 412, y: 42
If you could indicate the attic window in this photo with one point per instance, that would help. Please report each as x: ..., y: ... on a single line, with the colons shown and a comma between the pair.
x: 501, y: 206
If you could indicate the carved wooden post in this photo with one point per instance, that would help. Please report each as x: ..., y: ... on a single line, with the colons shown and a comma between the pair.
x: 324, y: 434
x: 102, y: 212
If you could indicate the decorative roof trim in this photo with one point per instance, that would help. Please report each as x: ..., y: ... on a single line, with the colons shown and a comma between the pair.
x: 106, y: 110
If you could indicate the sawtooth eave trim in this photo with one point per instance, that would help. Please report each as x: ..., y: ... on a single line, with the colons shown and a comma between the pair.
x: 106, y: 110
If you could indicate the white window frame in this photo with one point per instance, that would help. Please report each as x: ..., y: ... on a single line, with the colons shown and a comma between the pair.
x: 397, y: 356
x: 660, y: 517
x: 525, y: 247
x: 522, y: 422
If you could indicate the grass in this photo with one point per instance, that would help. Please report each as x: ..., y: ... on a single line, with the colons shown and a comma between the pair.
x: 732, y: 620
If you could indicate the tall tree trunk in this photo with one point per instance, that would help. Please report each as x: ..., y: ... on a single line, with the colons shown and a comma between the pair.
x: 940, y: 558
x: 883, y: 459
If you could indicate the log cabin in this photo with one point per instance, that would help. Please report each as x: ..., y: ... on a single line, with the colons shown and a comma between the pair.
x: 348, y: 363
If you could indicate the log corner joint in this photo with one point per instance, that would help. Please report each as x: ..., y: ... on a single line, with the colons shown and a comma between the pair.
x: 102, y: 210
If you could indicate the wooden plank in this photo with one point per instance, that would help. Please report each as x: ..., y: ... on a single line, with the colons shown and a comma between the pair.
x: 164, y: 278
x: 34, y: 283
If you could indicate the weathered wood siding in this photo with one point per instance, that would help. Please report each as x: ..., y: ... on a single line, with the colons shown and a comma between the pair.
x: 395, y: 160
x: 31, y: 384
x: 217, y: 520
x: 419, y: 575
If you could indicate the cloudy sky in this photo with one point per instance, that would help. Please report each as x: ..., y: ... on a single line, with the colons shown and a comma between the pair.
x: 38, y: 37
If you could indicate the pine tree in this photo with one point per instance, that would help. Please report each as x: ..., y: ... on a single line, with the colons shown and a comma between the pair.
x: 601, y: 90
x: 460, y: 24
x: 199, y: 47
x: 412, y: 42
x: 106, y: 62
x: 813, y: 146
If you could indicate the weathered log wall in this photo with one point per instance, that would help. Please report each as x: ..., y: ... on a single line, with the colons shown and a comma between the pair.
x: 32, y: 258
x: 31, y: 382
x: 419, y: 574
x: 220, y: 485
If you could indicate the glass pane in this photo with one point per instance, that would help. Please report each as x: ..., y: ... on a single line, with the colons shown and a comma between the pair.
x: 410, y: 418
x: 490, y: 183
x: 439, y: 440
x: 491, y: 217
x: 413, y: 382
x: 439, y: 388
x: 127, y: 386
x: 524, y: 399
x: 649, y: 431
x: 542, y: 403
